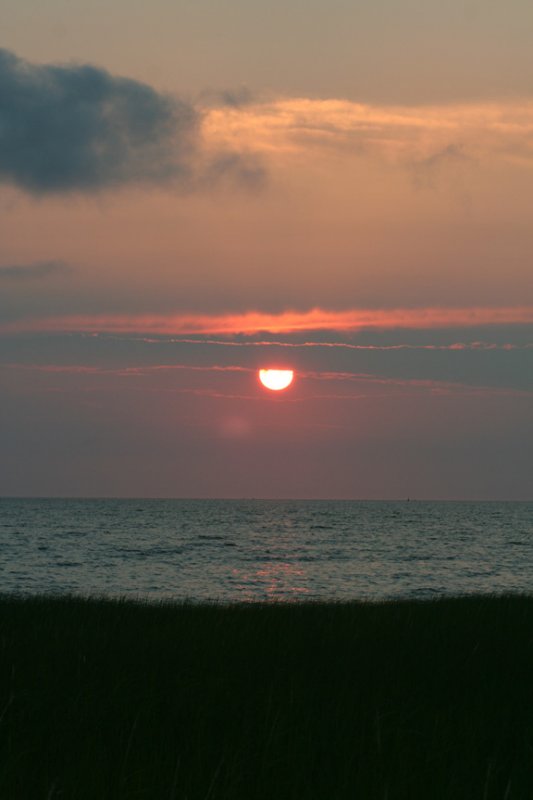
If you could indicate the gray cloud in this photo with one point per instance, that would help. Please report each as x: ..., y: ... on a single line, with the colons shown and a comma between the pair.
x: 76, y: 127
x: 233, y: 98
x: 36, y: 271
x: 237, y: 97
x: 427, y: 170
x: 247, y: 170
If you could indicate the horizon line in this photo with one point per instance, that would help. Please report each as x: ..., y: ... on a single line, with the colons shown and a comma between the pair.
x: 141, y: 498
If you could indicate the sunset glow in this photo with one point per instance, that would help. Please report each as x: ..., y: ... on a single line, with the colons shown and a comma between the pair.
x: 276, y: 379
x: 277, y: 250
x: 250, y: 322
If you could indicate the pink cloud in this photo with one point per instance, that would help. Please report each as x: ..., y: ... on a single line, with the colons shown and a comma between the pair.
x: 253, y: 322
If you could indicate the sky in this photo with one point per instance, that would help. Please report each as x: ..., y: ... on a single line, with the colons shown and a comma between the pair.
x: 192, y: 191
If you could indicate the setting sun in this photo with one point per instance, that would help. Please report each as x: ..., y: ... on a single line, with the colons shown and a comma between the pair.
x: 276, y: 379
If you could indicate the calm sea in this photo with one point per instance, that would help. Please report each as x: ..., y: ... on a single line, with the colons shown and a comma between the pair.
x: 235, y: 550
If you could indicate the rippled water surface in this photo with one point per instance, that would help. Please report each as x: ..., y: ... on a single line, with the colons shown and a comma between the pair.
x: 256, y: 550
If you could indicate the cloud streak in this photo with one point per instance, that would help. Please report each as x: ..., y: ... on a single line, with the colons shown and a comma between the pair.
x: 273, y: 343
x: 33, y: 272
x: 287, y: 322
x: 358, y: 379
x: 423, y: 137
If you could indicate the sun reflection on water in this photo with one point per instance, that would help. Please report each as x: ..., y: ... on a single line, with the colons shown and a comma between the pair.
x: 274, y: 580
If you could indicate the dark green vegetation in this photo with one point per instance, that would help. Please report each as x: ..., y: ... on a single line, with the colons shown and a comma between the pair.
x: 115, y: 700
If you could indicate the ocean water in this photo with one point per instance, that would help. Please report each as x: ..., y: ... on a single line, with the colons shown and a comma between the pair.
x: 250, y: 550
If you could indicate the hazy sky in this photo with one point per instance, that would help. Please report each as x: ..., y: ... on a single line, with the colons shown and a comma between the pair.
x: 190, y: 191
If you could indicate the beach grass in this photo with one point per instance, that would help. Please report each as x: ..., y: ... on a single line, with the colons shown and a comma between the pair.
x: 104, y: 699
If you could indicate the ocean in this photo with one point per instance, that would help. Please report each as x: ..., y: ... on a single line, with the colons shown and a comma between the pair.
x: 249, y: 550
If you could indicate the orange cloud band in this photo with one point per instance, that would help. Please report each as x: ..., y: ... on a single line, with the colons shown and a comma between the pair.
x: 396, y: 133
x: 254, y: 322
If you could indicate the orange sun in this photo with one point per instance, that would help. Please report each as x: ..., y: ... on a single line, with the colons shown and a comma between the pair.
x: 276, y: 379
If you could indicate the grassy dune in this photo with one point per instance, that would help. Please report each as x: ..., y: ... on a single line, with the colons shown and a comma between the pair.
x: 103, y: 699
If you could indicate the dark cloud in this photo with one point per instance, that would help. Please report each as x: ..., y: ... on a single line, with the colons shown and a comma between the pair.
x: 36, y: 271
x: 76, y: 127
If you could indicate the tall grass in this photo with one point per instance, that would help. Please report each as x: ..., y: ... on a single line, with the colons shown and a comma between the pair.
x: 403, y: 700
